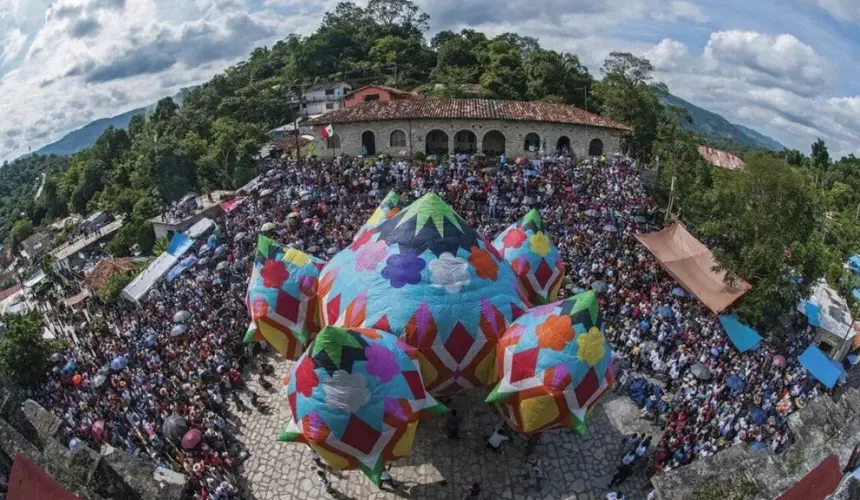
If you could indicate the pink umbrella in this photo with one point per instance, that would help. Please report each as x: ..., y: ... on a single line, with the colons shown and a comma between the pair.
x: 522, y: 161
x: 779, y: 360
x: 191, y: 439
x: 97, y: 432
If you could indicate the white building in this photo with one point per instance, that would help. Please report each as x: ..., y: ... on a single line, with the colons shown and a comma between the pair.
x: 323, y: 98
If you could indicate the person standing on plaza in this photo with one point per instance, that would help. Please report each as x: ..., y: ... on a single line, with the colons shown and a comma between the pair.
x: 324, y: 481
x: 623, y: 472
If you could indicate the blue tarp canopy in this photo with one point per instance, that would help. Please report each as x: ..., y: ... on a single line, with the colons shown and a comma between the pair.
x: 820, y: 366
x: 179, y: 245
x: 854, y: 263
x: 178, y: 269
x: 743, y: 337
x: 812, y: 313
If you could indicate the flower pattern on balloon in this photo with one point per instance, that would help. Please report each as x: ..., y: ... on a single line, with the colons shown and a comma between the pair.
x: 381, y: 362
x: 515, y: 238
x: 346, y: 391
x: 274, y: 273
x: 484, y: 265
x: 592, y: 346
x: 449, y: 272
x: 555, y: 332
x: 306, y: 378
x: 403, y: 269
x: 370, y: 255
x: 361, y: 240
x: 540, y: 244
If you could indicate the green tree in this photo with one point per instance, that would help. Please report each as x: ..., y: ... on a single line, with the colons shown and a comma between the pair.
x: 763, y: 225
x: 24, y: 355
x: 625, y: 95
x: 21, y: 230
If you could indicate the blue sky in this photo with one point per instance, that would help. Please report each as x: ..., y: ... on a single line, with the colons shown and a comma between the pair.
x: 787, y: 68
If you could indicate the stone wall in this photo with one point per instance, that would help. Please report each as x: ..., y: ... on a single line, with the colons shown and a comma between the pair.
x: 514, y: 132
x: 821, y: 429
x: 31, y: 430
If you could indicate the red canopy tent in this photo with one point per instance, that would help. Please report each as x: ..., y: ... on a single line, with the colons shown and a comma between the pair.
x: 820, y: 482
x: 28, y: 481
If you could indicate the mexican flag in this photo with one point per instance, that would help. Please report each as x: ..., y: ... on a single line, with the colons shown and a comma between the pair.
x: 327, y: 132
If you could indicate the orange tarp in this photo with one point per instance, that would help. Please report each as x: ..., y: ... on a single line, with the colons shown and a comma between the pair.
x: 692, y: 264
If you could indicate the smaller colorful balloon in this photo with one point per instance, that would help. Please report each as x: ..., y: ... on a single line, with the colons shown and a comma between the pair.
x: 553, y: 365
x: 535, y: 259
x: 390, y: 206
x: 356, y: 396
x: 282, y: 298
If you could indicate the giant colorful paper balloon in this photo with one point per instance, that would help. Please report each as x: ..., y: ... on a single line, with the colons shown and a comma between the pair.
x: 427, y: 277
x: 282, y: 297
x: 533, y: 256
x: 554, y: 364
x: 389, y: 207
x: 356, y: 397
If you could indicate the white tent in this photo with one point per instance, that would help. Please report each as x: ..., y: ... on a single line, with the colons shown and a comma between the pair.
x: 138, y: 288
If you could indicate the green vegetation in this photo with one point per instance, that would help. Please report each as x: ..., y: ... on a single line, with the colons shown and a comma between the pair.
x: 728, y: 488
x: 24, y: 355
x: 116, y: 284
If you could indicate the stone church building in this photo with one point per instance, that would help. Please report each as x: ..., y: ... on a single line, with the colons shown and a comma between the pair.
x: 448, y: 126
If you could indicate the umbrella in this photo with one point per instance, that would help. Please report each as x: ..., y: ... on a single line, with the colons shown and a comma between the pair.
x: 521, y: 160
x: 98, y: 380
x: 609, y: 228
x: 212, y: 242
x: 314, y: 249
x: 779, y: 360
x: 268, y: 227
x: 757, y: 447
x: 174, y: 428
x: 150, y: 340
x: 55, y: 358
x: 271, y: 171
x: 220, y: 251
x: 118, y: 363
x: 736, y: 383
x: 181, y: 316
x: 294, y: 215
x: 217, y: 281
x: 222, y: 265
x: 203, y: 261
x: 239, y: 236
x: 680, y: 292
x: 665, y: 311
x: 265, y: 192
x: 69, y: 368
x: 530, y: 173
x: 177, y: 330
x: 97, y: 431
x: 471, y: 178
x: 204, y: 249
x: 191, y: 439
x: 77, y: 379
x: 758, y: 415
x: 592, y: 213
x: 701, y: 371
x: 599, y: 286
x: 105, y: 370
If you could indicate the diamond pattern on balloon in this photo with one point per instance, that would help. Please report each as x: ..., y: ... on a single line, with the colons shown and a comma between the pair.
x: 523, y: 364
x: 288, y: 306
x: 587, y: 387
x: 459, y: 343
x: 543, y: 273
x: 359, y: 435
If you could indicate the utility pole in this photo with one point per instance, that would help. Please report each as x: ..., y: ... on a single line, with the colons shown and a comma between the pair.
x: 585, y: 93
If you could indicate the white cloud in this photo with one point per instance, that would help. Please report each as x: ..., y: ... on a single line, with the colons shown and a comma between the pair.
x: 843, y: 10
x: 774, y: 84
x: 11, y: 44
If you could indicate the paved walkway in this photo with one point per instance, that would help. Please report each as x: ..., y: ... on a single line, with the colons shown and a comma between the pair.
x: 440, y: 469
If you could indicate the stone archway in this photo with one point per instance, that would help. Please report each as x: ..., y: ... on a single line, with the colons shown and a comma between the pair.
x: 563, y: 144
x: 532, y: 143
x: 494, y: 143
x: 465, y: 141
x: 436, y: 142
x: 368, y: 143
x: 595, y: 147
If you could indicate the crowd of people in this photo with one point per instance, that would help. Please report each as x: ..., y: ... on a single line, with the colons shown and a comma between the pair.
x: 592, y: 210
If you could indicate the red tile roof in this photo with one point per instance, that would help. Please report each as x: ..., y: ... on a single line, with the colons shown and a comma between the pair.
x: 5, y: 294
x: 467, y: 109
x: 721, y: 159
x: 29, y: 482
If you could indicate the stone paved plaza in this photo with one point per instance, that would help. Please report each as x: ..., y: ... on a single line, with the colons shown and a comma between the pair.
x: 578, y: 468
